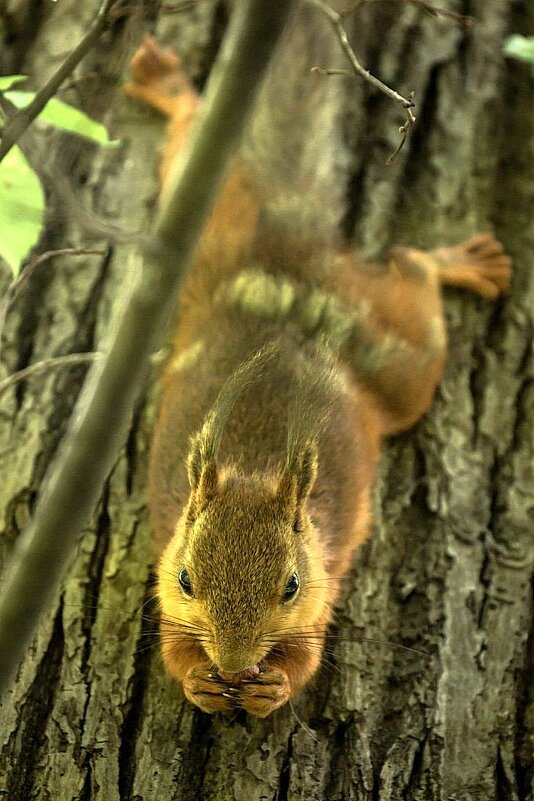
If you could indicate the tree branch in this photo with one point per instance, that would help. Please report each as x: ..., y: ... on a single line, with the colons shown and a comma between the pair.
x: 18, y: 123
x: 337, y: 18
x: 69, y: 360
x: 13, y: 288
x: 100, y: 421
x: 428, y: 8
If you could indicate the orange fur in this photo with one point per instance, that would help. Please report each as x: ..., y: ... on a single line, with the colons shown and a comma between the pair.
x: 241, y: 523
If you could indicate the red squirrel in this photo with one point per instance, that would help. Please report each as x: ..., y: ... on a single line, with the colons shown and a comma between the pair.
x: 291, y: 362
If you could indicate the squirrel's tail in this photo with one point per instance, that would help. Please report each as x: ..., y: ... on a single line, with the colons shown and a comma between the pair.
x: 294, y: 146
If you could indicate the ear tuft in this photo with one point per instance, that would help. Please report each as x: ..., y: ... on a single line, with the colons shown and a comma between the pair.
x: 298, y: 478
x: 202, y: 472
x: 195, y: 460
x: 308, y: 471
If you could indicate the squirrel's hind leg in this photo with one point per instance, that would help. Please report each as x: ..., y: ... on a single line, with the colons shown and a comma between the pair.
x: 160, y: 82
x: 399, y: 350
x: 478, y: 264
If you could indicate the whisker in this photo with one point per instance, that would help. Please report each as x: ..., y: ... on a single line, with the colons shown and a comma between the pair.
x: 171, y: 619
x: 179, y: 624
x: 176, y: 642
x: 330, y: 666
x: 301, y: 722
x: 144, y: 647
x: 155, y: 568
x: 154, y: 633
x: 306, y: 637
x: 389, y: 643
x: 148, y: 601
x: 173, y: 632
x: 166, y: 651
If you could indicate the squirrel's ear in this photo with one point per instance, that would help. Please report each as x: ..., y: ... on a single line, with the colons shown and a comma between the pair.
x: 299, y: 476
x: 203, y: 477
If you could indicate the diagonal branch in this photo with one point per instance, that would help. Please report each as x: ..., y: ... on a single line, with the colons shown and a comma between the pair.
x: 428, y: 8
x: 69, y: 360
x: 12, y: 290
x: 99, y: 425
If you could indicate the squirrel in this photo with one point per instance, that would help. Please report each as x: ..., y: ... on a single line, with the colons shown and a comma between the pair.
x: 291, y: 362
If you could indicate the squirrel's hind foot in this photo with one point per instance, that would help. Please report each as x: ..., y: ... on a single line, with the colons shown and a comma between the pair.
x: 479, y: 265
x: 159, y: 78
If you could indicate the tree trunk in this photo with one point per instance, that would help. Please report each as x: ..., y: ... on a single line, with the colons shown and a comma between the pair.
x: 448, y: 569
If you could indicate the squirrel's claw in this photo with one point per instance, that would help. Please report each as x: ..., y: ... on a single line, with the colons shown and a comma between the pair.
x: 209, y: 692
x: 263, y: 695
x: 259, y: 696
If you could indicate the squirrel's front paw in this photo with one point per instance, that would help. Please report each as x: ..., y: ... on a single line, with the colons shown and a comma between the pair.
x: 262, y: 695
x: 209, y: 692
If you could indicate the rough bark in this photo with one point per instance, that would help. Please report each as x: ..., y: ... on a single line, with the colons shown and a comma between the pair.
x: 448, y: 570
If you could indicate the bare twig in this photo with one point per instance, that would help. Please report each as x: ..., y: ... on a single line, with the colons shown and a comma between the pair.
x: 177, y: 8
x: 68, y: 360
x: 99, y: 424
x: 18, y: 123
x: 13, y: 288
x: 323, y: 71
x: 336, y: 20
x: 428, y: 8
x: 58, y: 183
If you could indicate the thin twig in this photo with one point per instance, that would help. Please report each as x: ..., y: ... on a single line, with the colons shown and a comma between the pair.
x: 18, y: 123
x: 428, y: 8
x: 99, y: 424
x: 13, y: 288
x: 336, y: 20
x: 47, y: 364
x: 177, y: 8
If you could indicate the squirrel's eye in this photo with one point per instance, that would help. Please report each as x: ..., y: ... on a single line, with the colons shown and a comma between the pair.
x: 292, y: 587
x: 185, y: 582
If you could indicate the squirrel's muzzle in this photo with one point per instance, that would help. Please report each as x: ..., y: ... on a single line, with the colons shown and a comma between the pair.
x: 235, y: 663
x: 233, y: 657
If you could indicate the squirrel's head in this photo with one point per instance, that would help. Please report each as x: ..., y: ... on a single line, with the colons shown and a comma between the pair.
x: 243, y: 569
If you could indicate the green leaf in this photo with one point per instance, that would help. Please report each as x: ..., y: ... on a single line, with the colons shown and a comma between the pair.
x: 8, y: 80
x: 66, y: 117
x: 22, y: 206
x: 520, y: 47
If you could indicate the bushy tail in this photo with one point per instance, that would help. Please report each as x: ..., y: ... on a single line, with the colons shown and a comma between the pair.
x: 295, y: 146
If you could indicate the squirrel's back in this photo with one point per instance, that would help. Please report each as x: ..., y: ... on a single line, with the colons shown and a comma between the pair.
x: 305, y: 386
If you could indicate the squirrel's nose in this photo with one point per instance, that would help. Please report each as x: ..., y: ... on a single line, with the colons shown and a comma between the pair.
x: 234, y: 657
x: 233, y: 663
